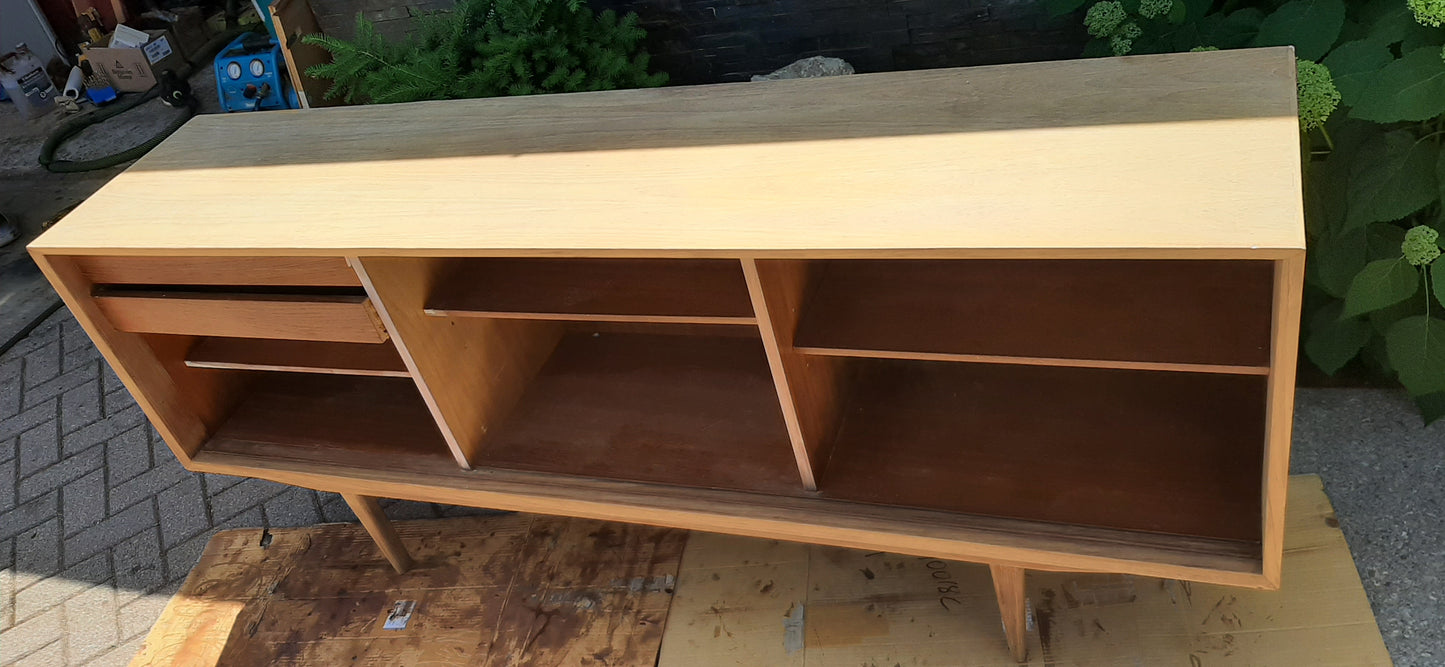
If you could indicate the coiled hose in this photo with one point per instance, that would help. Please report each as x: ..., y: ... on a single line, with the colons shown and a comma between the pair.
x: 74, y: 125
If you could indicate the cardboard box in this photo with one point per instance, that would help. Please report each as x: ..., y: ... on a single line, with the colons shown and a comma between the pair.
x: 135, y: 70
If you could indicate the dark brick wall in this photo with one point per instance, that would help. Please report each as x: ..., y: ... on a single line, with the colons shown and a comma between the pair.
x: 708, y: 41
x: 712, y: 41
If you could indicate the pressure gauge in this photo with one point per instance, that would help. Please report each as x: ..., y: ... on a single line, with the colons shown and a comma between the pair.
x: 257, y: 67
x: 233, y: 70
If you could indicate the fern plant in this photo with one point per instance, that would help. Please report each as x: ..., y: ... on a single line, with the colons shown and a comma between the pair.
x: 489, y: 48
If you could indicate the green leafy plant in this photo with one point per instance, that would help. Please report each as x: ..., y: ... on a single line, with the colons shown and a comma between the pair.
x: 489, y: 48
x: 1371, y: 85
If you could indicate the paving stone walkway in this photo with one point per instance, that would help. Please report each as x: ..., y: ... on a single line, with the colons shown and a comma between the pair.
x: 99, y: 524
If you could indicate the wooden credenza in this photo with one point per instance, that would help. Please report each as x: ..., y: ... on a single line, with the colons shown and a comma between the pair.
x: 1040, y: 316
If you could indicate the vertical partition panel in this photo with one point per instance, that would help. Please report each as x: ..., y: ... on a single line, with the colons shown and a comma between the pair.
x: 471, y: 371
x: 1279, y: 415
x: 185, y: 404
x: 808, y: 386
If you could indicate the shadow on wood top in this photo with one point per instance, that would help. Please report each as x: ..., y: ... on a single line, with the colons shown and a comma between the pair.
x: 1195, y: 152
x: 1237, y: 84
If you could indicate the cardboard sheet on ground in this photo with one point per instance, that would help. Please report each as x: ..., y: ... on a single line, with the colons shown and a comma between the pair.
x: 530, y: 590
x: 749, y: 602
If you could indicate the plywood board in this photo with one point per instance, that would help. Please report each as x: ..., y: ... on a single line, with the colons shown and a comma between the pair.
x: 499, y: 590
x: 752, y: 602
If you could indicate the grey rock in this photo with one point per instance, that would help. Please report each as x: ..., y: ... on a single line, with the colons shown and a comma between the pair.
x: 809, y: 68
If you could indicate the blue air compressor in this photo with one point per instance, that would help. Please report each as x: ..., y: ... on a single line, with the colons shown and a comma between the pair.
x: 251, y: 76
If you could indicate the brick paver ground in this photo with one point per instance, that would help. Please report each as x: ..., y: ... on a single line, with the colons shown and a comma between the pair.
x: 99, y: 524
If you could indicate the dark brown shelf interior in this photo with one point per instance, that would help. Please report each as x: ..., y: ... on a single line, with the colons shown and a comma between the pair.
x: 1201, y: 312
x: 700, y: 291
x: 369, y: 421
x: 691, y: 410
x: 299, y: 356
x: 1176, y: 453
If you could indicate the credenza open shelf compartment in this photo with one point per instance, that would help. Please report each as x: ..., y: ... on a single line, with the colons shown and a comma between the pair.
x: 1021, y: 391
x: 1034, y: 316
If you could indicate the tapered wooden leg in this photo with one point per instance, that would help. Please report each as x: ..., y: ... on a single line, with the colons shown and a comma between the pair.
x: 1008, y: 585
x: 381, y: 530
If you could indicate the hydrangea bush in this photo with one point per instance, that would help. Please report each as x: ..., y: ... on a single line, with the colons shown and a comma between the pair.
x: 1371, y: 86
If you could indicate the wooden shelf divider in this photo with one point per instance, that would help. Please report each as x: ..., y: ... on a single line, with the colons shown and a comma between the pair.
x: 807, y: 386
x: 1031, y: 361
x: 471, y: 371
x: 676, y: 291
x: 297, y: 356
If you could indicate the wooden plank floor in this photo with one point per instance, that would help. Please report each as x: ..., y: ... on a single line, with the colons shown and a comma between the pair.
x: 529, y: 590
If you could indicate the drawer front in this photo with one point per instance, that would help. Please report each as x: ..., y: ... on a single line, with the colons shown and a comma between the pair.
x: 241, y: 271
x: 342, y: 319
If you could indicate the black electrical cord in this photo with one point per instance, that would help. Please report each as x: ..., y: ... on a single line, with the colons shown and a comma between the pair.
x: 73, y: 125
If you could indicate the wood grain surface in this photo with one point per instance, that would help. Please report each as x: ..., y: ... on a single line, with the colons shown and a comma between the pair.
x: 698, y: 411
x: 1165, y: 452
x: 807, y: 386
x: 297, y: 356
x: 471, y: 370
x: 314, y: 317
x: 494, y: 591
x: 804, y: 518
x: 279, y: 271
x: 699, y: 291
x: 293, y: 416
x: 1195, y: 152
x: 1176, y: 315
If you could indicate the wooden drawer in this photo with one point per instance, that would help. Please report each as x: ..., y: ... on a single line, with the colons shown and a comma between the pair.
x: 271, y: 271
x: 314, y: 317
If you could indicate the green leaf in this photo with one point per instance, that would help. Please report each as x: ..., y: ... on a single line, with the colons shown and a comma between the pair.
x: 1387, y: 23
x: 1440, y: 175
x: 1437, y: 280
x: 1325, y: 188
x: 1432, y: 406
x: 1236, y: 30
x: 1411, y: 88
x: 1354, y: 64
x: 1392, y: 176
x: 1381, y: 283
x: 1194, y: 10
x: 1097, y: 48
x: 1332, y: 341
x: 1350, y: 134
x: 1338, y: 259
x: 1417, y: 351
x: 1422, y: 37
x: 1382, y: 241
x: 1386, y: 317
x: 1376, y: 358
x: 1177, y: 12
x: 1310, y: 25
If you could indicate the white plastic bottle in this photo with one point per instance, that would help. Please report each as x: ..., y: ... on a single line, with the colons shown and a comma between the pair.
x: 26, y: 83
